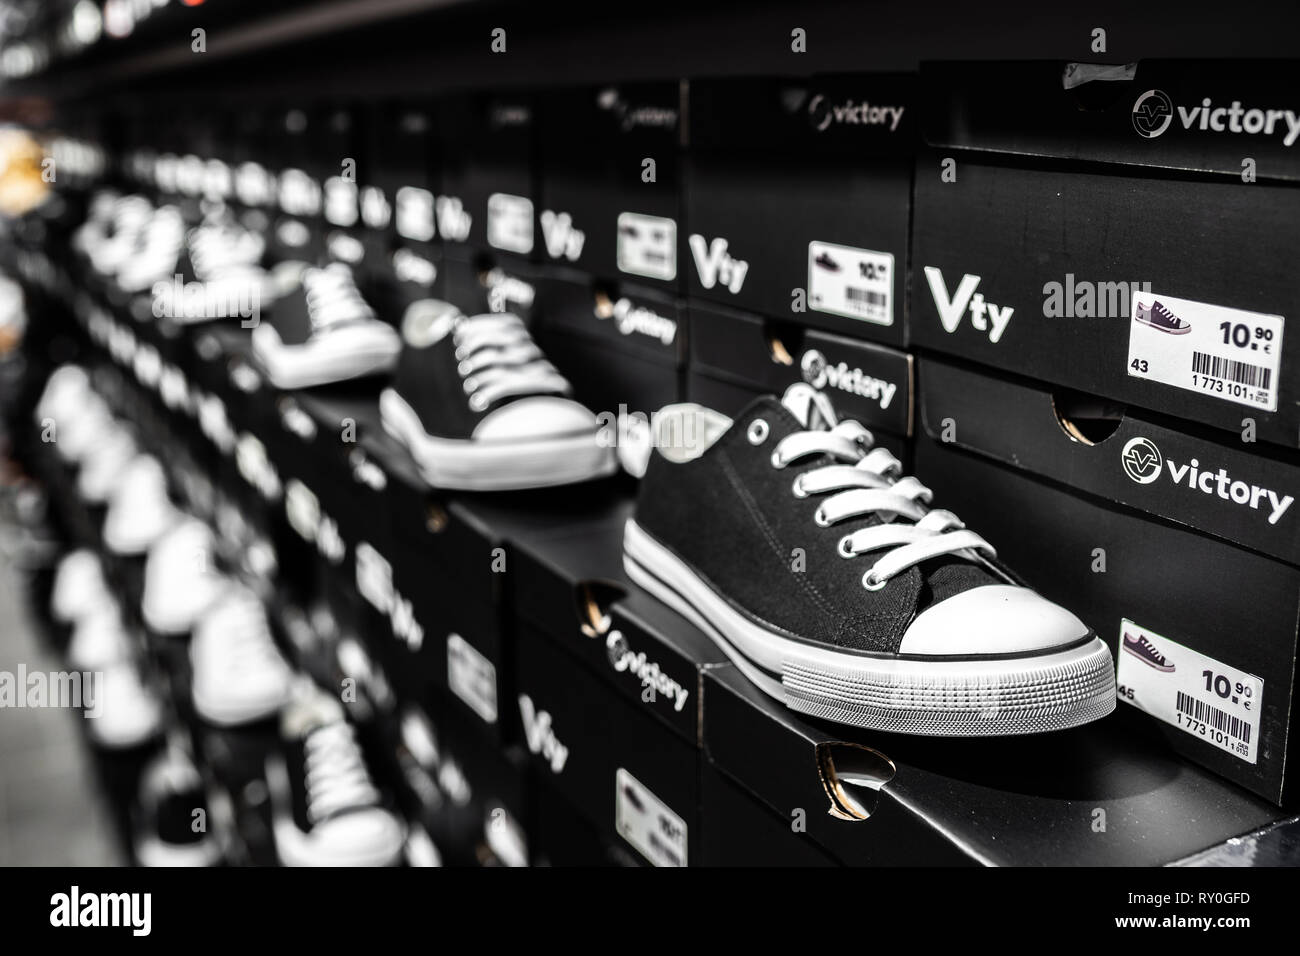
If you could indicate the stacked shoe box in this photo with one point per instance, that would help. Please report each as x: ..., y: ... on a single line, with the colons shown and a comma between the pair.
x: 611, y: 236
x: 1111, y: 256
x: 485, y: 210
x: 798, y: 193
x: 609, y: 697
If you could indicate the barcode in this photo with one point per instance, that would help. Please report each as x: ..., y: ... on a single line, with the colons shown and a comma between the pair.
x: 864, y: 297
x: 1242, y: 373
x: 1200, y: 711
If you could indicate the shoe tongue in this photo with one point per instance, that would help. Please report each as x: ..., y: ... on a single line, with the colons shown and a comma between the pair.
x: 813, y: 409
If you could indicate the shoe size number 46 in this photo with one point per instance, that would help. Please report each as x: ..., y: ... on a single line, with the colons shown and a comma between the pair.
x: 1203, y: 697
x: 1225, y: 353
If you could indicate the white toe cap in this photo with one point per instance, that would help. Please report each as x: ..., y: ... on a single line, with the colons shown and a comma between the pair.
x: 994, y: 619
x: 538, y: 417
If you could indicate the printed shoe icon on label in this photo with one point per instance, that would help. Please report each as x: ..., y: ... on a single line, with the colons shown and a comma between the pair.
x: 1159, y: 317
x: 824, y: 261
x: 1145, y: 651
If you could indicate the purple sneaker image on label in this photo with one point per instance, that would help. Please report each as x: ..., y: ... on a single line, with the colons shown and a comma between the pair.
x: 1145, y: 651
x: 1159, y: 317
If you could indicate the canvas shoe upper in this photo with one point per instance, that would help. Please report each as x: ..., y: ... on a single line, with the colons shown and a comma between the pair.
x: 479, y: 407
x: 323, y: 331
x: 826, y: 574
x: 326, y: 810
x: 239, y: 676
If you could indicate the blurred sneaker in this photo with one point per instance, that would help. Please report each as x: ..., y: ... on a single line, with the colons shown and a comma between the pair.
x: 480, y: 408
x: 181, y: 580
x: 172, y: 820
x: 239, y: 676
x: 79, y: 587
x: 129, y: 714
x: 139, y: 510
x: 326, y: 810
x: 99, y: 641
x: 158, y: 253
x: 103, y: 466
x: 323, y: 332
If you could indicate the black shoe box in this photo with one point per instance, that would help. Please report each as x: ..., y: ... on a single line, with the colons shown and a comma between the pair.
x: 1053, y: 229
x: 491, y: 283
x: 1211, y: 584
x: 736, y: 357
x: 610, y: 182
x: 1108, y: 794
x: 621, y: 768
x: 487, y: 147
x: 798, y: 196
x: 739, y: 830
x: 622, y: 346
x: 493, y: 785
x: 609, y: 692
x: 1108, y: 113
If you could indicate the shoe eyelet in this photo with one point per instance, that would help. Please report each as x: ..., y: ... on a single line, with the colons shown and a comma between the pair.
x: 477, y: 403
x: 846, y: 547
x: 797, y: 489
x: 757, y: 432
x: 871, y: 583
x: 819, y: 518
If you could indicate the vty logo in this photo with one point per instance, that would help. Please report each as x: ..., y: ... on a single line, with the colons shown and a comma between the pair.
x: 716, y: 265
x: 541, y: 735
x: 984, y: 316
x: 561, y: 238
x: 453, y: 220
x: 1142, y: 460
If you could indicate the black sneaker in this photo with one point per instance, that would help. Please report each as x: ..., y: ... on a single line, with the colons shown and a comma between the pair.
x: 1158, y: 316
x: 326, y: 811
x: 1145, y: 651
x: 218, y: 275
x: 480, y: 408
x: 173, y: 825
x: 826, y: 577
x: 323, y: 331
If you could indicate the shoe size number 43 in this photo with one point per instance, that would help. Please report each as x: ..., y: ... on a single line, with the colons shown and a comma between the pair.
x: 1228, y: 354
x: 1201, y: 696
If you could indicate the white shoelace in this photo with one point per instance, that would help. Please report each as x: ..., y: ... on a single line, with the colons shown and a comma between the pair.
x: 871, y: 483
x: 336, y: 776
x: 498, y: 358
x: 333, y: 297
x: 216, y: 249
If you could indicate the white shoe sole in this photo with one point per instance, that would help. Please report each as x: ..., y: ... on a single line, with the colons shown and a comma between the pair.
x: 152, y: 852
x: 975, y: 697
x: 467, y: 465
x: 338, y: 358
